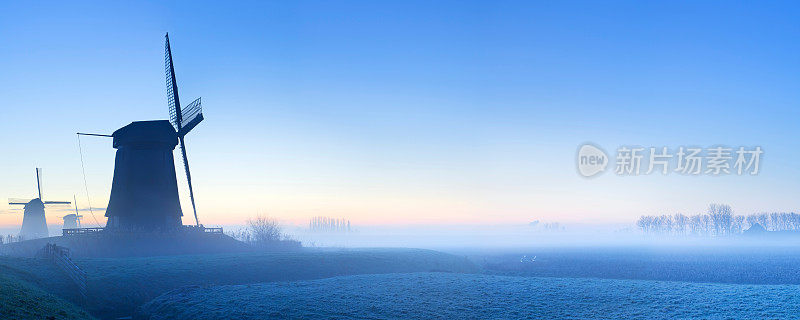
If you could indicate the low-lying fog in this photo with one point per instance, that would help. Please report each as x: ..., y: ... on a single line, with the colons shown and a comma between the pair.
x: 444, y: 237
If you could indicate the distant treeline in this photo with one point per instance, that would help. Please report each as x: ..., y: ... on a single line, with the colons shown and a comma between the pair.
x: 329, y: 224
x: 549, y: 226
x: 10, y: 238
x: 718, y: 221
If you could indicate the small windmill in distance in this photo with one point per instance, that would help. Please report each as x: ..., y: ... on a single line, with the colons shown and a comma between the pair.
x: 34, y: 223
x: 73, y: 221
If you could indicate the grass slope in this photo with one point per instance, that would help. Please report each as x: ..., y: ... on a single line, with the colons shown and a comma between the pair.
x: 117, y: 286
x: 20, y: 299
x: 475, y: 296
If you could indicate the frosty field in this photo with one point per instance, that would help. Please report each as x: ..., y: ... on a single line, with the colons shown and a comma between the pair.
x: 717, y: 264
x: 476, y: 296
x: 577, y: 283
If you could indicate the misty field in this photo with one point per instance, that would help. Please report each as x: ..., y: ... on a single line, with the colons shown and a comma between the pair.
x: 718, y: 264
x: 591, y: 282
x: 476, y: 296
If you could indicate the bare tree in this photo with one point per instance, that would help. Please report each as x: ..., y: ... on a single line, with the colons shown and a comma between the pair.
x: 763, y: 219
x: 721, y: 216
x: 645, y: 223
x: 264, y: 230
x: 738, y: 224
x: 664, y: 224
x: 265, y: 233
x: 705, y: 224
x: 795, y: 221
x: 681, y: 222
x: 695, y: 225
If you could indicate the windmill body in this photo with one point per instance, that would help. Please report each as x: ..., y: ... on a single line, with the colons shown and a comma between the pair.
x: 73, y: 221
x: 34, y: 223
x: 70, y: 221
x: 144, y: 192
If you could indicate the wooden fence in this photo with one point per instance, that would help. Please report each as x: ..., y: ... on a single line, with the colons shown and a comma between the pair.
x: 60, y: 256
x: 67, y: 232
x: 202, y: 229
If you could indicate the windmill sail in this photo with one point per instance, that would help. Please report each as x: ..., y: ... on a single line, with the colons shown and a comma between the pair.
x: 183, y: 119
x: 39, y: 181
x: 18, y: 201
x: 40, y: 184
x: 173, y: 101
x: 191, y: 115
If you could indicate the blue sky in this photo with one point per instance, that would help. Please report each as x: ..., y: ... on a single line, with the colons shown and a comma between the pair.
x: 408, y: 112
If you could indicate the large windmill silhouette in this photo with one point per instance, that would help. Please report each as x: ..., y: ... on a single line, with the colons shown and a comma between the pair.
x: 144, y: 191
x: 34, y: 223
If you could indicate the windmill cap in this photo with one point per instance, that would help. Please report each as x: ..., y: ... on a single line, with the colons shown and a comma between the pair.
x: 34, y: 203
x: 146, y: 134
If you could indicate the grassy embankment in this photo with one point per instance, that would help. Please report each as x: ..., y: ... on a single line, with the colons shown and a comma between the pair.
x: 117, y: 286
x: 23, y: 299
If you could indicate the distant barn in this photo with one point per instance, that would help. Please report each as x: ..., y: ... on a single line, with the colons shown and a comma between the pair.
x: 756, y: 229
